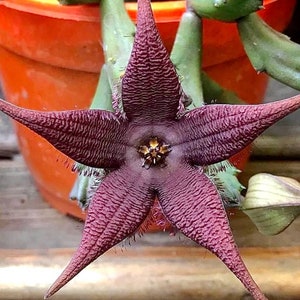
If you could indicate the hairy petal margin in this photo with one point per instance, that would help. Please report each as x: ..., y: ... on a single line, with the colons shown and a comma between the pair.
x: 150, y: 87
x: 119, y: 206
x: 95, y: 138
x: 192, y: 204
x: 213, y: 133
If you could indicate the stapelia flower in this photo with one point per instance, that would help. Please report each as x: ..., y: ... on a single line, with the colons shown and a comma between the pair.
x: 154, y: 150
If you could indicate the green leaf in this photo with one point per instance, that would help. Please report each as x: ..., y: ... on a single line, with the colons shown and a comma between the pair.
x: 272, y: 202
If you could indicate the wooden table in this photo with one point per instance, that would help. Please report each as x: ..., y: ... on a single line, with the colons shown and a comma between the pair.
x: 36, y: 243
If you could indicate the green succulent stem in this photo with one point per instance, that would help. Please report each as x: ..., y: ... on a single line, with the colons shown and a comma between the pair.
x: 103, y: 95
x: 79, y: 190
x: 225, y: 10
x: 198, y: 86
x: 224, y: 175
x: 186, y: 56
x: 117, y: 36
x: 270, y: 51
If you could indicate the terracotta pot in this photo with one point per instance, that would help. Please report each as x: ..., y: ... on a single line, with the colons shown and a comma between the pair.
x: 51, y: 56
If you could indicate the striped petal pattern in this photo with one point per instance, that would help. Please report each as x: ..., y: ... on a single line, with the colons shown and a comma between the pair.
x: 117, y: 209
x: 94, y: 138
x: 213, y: 133
x: 151, y: 98
x: 150, y: 87
x: 192, y: 204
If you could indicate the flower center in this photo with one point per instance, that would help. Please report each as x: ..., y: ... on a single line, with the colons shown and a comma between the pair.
x: 154, y: 152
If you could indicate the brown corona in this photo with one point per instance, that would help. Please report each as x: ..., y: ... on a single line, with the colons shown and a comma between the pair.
x: 154, y: 152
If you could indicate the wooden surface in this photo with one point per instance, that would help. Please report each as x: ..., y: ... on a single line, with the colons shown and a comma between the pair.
x: 8, y: 143
x: 36, y: 242
x: 154, y: 273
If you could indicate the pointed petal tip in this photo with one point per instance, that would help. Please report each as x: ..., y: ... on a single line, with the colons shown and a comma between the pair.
x: 55, y: 287
x: 291, y: 104
x: 7, y: 107
x: 102, y: 230
x: 204, y: 220
x: 75, y: 266
x: 145, y: 19
x: 95, y: 138
x: 48, y: 294
x: 218, y: 131
x: 151, y: 89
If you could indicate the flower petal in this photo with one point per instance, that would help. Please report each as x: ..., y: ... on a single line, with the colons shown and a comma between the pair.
x: 150, y: 87
x: 117, y: 209
x: 213, y: 133
x: 94, y: 138
x: 193, y: 205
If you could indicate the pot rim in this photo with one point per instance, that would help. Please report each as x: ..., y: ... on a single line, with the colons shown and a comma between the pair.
x: 164, y: 11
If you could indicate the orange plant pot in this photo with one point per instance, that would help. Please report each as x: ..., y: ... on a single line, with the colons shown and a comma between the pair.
x: 50, y: 58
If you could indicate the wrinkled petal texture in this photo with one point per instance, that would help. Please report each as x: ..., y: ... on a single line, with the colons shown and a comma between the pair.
x: 94, y: 138
x: 117, y: 209
x: 192, y: 204
x: 213, y: 133
x: 150, y: 87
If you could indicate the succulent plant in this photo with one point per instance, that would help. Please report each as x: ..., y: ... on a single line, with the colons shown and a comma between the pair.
x: 150, y: 138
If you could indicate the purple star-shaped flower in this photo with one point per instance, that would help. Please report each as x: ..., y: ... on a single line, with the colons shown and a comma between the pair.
x: 154, y: 150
